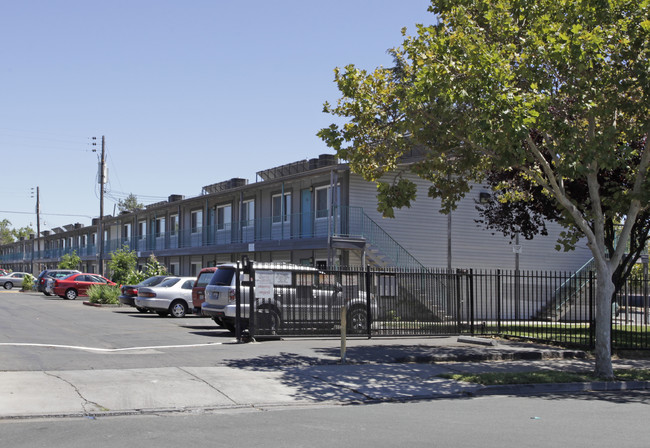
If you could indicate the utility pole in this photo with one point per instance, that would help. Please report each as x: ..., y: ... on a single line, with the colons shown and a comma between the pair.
x: 38, y: 225
x: 100, y: 226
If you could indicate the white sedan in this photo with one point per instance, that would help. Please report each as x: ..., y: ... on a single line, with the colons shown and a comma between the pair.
x: 172, y: 296
x: 13, y: 279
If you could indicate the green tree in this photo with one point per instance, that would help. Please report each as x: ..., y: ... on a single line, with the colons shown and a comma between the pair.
x: 6, y: 234
x: 122, y: 264
x: 556, y: 91
x: 23, y: 232
x: 70, y: 261
x: 129, y: 204
x: 154, y: 267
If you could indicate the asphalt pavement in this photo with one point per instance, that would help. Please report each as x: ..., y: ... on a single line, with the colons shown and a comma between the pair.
x: 296, y: 372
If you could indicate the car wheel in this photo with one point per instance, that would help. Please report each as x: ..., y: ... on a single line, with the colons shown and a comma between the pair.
x: 71, y: 294
x: 218, y: 321
x: 8, y: 285
x: 142, y: 310
x: 269, y: 319
x: 357, y: 321
x: 162, y: 313
x: 230, y: 327
x: 178, y: 308
x: 47, y: 294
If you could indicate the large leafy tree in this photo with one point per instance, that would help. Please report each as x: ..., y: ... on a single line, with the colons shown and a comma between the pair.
x: 9, y: 235
x: 6, y: 234
x: 553, y: 92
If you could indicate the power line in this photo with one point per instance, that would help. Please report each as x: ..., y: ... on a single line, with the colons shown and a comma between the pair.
x: 48, y: 214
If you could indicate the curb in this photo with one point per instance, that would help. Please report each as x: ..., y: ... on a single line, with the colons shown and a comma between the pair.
x: 505, y: 355
x: 102, y: 305
x: 556, y: 388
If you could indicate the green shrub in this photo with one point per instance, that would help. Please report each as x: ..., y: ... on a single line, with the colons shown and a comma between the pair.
x: 123, y: 262
x: 28, y: 282
x: 104, y: 294
x: 70, y: 261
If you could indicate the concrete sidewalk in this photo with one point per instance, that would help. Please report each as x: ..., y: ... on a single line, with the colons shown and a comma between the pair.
x: 294, y: 373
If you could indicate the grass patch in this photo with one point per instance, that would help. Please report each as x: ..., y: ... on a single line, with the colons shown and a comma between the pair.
x: 543, y: 376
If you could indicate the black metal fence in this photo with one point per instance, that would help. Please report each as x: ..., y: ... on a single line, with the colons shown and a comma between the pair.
x: 543, y: 306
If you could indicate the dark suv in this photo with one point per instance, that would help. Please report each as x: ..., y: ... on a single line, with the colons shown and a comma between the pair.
x: 51, y: 274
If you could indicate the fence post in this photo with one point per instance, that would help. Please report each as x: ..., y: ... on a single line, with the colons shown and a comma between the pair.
x: 470, y: 279
x: 591, y: 310
x: 237, y: 304
x: 344, y: 325
x: 499, y: 300
x: 459, y: 303
x: 644, y: 260
x: 368, y: 307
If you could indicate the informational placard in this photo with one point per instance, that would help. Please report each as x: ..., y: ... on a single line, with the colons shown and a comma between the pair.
x: 282, y: 278
x: 263, y: 284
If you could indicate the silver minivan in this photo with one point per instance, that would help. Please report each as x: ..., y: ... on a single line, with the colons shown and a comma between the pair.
x: 285, y: 295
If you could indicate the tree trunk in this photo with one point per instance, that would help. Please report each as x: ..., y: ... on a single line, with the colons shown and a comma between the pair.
x: 604, y: 293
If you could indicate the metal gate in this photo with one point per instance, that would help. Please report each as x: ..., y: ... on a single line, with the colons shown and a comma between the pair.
x: 291, y: 300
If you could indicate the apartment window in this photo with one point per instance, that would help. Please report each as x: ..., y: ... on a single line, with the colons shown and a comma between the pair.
x: 281, y: 208
x: 93, y: 239
x: 83, y: 239
x: 173, y: 224
x: 126, y: 231
x: 224, y: 217
x: 323, y: 200
x: 196, y: 221
x: 160, y: 226
x: 248, y: 213
x: 142, y: 229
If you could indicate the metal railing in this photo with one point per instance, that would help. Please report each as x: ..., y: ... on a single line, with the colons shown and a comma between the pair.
x: 410, y: 302
x: 344, y: 222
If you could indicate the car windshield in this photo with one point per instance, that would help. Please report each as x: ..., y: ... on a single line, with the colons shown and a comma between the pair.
x: 169, y: 282
x: 222, y: 277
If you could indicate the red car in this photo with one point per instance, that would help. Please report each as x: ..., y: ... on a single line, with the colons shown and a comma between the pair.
x: 77, y: 284
x: 198, y: 291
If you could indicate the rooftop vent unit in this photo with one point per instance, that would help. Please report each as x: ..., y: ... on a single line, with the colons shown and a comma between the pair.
x: 298, y: 167
x: 176, y: 197
x: 235, y: 182
x: 155, y: 204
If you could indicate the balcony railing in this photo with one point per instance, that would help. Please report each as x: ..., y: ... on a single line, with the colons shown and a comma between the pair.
x: 344, y: 222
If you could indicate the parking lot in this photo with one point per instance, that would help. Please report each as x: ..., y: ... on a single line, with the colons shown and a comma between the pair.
x: 48, y: 333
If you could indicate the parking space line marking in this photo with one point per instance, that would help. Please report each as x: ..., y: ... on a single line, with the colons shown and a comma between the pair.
x: 107, y: 350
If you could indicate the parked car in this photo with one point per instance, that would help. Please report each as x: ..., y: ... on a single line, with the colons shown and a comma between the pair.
x: 198, y: 290
x: 77, y: 284
x: 14, y: 279
x: 172, y: 296
x: 45, y: 280
x: 3, y: 272
x: 294, y: 295
x: 130, y: 292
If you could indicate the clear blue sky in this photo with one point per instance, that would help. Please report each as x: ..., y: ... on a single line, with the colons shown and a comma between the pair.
x: 187, y: 92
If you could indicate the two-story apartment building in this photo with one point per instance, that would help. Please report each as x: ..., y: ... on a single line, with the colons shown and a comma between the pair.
x: 312, y: 212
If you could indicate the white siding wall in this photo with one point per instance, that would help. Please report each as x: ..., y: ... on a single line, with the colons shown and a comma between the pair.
x: 422, y: 231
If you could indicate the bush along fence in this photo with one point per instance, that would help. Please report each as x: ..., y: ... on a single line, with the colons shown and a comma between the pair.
x: 542, y: 306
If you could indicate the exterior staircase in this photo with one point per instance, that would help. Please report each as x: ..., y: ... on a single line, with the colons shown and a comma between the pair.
x: 383, y: 251
x: 567, y: 295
